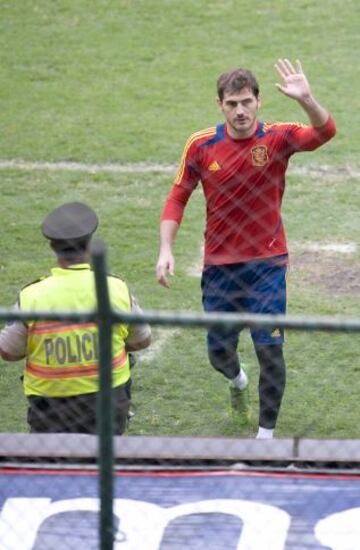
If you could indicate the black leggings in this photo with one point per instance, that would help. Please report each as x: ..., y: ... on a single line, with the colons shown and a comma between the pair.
x: 271, y: 381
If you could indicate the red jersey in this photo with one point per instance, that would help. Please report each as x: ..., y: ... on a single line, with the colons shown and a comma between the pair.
x: 243, y: 182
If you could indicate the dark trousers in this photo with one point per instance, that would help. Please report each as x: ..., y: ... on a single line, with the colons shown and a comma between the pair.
x: 76, y: 414
x: 257, y: 287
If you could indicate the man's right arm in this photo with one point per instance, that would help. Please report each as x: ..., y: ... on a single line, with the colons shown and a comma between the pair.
x: 185, y: 182
x: 166, y: 261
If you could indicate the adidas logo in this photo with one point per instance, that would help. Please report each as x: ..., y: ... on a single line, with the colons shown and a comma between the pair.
x: 276, y: 333
x: 214, y: 166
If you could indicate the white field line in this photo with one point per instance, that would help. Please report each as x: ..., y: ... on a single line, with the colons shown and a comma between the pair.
x: 195, y: 269
x: 335, y: 248
x: 323, y: 171
x: 161, y: 339
x: 164, y: 335
x: 142, y: 167
x: 68, y: 166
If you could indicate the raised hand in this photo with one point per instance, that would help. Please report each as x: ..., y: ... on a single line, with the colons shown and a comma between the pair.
x: 294, y: 82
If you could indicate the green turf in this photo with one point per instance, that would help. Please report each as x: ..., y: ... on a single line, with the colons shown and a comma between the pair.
x: 128, y: 81
x: 177, y: 392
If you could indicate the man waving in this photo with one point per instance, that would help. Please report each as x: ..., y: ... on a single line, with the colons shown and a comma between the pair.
x: 241, y: 164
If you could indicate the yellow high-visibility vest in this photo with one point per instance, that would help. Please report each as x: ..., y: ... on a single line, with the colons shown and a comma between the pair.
x: 62, y: 357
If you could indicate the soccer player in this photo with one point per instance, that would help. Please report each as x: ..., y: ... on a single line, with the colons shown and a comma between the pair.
x: 241, y: 164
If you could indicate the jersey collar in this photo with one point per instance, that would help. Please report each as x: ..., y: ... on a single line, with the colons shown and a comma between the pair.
x: 243, y: 140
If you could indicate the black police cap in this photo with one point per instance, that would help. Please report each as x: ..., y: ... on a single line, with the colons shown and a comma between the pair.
x: 72, y: 221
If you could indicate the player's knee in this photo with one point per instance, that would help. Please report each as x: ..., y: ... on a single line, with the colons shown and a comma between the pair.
x: 225, y: 361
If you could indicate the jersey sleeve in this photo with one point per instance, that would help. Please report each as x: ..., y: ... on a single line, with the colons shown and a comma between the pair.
x: 185, y: 182
x: 308, y: 138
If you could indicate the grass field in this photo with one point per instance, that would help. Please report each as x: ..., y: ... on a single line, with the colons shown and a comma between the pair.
x: 127, y: 82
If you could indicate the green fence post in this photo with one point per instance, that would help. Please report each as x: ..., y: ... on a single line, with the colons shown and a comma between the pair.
x: 105, y: 405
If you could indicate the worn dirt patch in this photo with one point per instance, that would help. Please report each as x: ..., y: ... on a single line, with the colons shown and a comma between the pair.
x: 333, y: 274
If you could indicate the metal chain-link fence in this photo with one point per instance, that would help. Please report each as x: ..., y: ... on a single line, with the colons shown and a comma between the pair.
x: 99, y: 491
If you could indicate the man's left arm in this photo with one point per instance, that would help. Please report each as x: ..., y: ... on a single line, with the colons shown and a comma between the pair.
x: 296, y: 86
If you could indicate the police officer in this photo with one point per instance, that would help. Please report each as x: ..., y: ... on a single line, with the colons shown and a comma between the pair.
x: 61, y: 372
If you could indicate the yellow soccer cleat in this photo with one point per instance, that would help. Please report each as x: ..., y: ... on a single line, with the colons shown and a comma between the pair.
x: 240, y: 403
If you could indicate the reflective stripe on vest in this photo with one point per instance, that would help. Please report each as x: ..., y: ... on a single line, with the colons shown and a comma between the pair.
x: 62, y: 357
x: 73, y: 371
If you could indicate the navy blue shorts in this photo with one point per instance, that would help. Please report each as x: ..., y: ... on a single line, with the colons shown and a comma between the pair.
x: 257, y: 287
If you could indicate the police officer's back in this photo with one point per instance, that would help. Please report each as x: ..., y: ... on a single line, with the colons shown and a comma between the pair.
x: 61, y: 372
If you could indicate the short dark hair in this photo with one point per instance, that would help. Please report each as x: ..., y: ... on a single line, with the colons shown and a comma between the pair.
x: 70, y: 250
x: 235, y: 80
